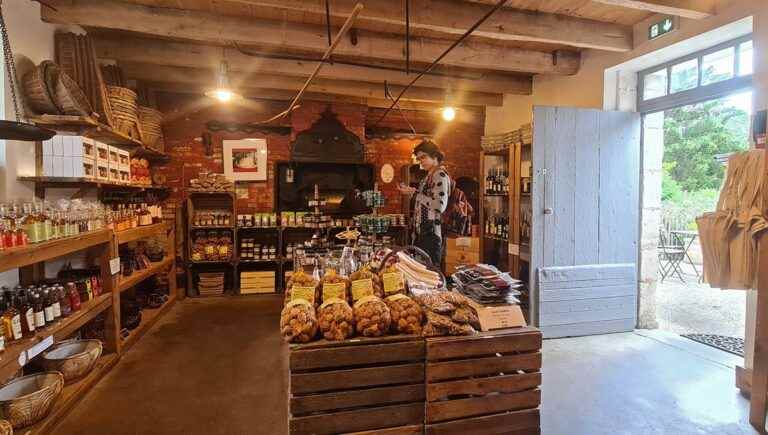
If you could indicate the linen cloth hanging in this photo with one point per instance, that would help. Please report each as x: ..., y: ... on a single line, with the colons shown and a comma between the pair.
x: 729, y: 234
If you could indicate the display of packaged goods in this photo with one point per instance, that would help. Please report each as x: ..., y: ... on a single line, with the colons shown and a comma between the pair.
x: 212, y: 218
x: 210, y: 284
x: 211, y: 246
x: 258, y: 220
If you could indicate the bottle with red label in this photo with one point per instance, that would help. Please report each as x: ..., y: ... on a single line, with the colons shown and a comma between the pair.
x: 74, y: 296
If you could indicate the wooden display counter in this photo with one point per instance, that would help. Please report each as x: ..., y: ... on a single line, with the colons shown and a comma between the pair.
x: 484, y: 383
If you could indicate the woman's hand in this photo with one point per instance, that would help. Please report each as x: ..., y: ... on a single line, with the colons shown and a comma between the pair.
x: 406, y: 190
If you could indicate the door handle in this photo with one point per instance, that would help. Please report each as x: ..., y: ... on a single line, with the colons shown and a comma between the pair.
x: 548, y: 210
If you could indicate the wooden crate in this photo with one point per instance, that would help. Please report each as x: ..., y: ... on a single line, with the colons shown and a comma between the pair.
x: 366, y: 385
x: 486, y: 383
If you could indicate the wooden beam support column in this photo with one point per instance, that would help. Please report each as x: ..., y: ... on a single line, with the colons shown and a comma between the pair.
x: 693, y: 9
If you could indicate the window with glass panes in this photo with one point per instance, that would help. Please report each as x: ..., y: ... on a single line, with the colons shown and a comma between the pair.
x: 712, y: 73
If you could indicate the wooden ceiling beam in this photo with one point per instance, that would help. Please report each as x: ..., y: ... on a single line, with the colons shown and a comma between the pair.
x: 207, y: 27
x: 694, y: 9
x: 449, y: 19
x: 159, y: 52
x: 198, y: 76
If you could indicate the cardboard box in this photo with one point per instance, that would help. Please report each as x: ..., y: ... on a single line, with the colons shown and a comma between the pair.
x: 58, y: 145
x: 124, y: 158
x: 89, y: 168
x: 102, y: 153
x: 114, y: 157
x: 102, y: 170
x: 499, y: 316
x: 465, y: 244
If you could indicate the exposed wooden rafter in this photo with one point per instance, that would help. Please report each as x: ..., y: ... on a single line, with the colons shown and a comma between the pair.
x: 448, y: 19
x: 206, y: 77
x: 207, y: 27
x: 694, y: 9
x: 159, y: 52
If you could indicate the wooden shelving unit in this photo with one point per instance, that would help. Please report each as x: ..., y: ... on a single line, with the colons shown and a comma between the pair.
x: 13, y: 258
x: 90, y: 127
x: 493, y: 249
x: 211, y: 200
x: 149, y: 316
x: 141, y: 232
x: 83, y: 183
x: 125, y: 283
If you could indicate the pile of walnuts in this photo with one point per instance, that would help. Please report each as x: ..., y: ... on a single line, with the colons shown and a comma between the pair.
x: 372, y: 317
x: 448, y: 313
x: 337, y: 320
x: 407, y: 315
x: 298, y: 323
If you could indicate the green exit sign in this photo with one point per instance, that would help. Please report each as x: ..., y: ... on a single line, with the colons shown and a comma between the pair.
x: 660, y: 28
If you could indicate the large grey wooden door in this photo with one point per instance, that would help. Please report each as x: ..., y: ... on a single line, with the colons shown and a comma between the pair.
x: 584, y: 245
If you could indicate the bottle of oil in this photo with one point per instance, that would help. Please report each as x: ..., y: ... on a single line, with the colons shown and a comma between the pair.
x: 27, y: 312
x: 11, y: 320
x: 39, y: 309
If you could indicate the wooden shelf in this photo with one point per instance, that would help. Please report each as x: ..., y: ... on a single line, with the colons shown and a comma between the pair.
x: 213, y: 227
x: 124, y: 283
x: 9, y: 362
x: 141, y: 232
x: 493, y: 195
x: 79, y: 183
x: 276, y: 261
x: 90, y: 127
x: 149, y: 316
x: 14, y: 258
x: 71, y: 395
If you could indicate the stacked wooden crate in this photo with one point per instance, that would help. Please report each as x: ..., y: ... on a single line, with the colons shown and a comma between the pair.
x: 461, y: 251
x: 486, y: 383
x: 370, y: 385
x: 257, y: 282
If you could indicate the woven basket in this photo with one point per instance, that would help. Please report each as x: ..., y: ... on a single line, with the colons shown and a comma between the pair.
x: 5, y: 428
x: 151, y: 122
x: 26, y: 400
x: 71, y: 98
x: 37, y: 88
x: 125, y: 115
x: 73, y: 358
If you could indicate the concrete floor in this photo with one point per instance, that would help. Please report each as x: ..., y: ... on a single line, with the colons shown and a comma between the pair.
x: 216, y: 366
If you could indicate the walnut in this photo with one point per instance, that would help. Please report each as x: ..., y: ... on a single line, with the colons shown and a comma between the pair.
x: 337, y: 319
x: 433, y: 302
x: 407, y: 315
x: 454, y: 298
x: 298, y: 323
x: 372, y: 317
x: 465, y: 315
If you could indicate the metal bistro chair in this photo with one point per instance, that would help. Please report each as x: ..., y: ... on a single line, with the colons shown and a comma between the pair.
x: 671, y: 256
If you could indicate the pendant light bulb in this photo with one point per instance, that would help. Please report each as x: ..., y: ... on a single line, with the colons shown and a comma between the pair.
x: 223, y: 91
x: 449, y: 113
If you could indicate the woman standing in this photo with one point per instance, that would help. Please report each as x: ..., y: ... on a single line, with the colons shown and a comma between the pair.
x: 431, y: 200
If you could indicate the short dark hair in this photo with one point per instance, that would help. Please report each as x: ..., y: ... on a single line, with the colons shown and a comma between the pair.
x: 429, y: 148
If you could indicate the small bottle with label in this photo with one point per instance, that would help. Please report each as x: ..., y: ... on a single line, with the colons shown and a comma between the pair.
x: 11, y: 320
x: 39, y: 309
x: 66, y: 307
x: 74, y: 296
x: 27, y: 313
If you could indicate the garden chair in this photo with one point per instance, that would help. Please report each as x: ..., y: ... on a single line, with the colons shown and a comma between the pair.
x: 671, y: 256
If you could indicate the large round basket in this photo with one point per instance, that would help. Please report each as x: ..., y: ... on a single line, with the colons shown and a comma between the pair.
x: 73, y: 358
x: 125, y: 116
x: 38, y: 88
x: 151, y: 122
x: 70, y: 97
x: 5, y: 428
x: 25, y: 401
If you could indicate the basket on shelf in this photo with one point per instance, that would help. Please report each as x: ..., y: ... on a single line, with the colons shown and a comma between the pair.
x: 125, y: 114
x: 26, y: 400
x: 150, y: 121
x: 38, y: 85
x: 70, y: 98
x: 73, y: 358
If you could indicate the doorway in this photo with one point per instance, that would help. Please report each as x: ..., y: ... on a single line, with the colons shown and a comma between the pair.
x: 697, y: 112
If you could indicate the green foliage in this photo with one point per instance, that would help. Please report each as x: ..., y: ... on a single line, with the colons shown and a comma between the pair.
x: 693, y: 136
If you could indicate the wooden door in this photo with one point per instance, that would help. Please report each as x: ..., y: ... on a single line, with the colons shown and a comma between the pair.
x: 586, y: 204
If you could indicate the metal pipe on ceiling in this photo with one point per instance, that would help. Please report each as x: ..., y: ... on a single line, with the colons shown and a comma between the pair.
x: 439, y: 58
x: 407, y: 37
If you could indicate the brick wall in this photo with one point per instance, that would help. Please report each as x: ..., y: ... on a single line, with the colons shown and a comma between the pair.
x: 186, y: 119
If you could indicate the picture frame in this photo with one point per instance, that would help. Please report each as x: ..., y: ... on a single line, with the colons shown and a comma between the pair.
x: 245, y: 159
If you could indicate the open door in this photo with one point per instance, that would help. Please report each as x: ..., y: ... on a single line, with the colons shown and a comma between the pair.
x: 586, y: 204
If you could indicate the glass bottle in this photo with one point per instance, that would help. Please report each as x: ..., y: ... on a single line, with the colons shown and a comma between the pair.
x: 11, y: 319
x: 29, y: 223
x: 27, y: 312
x: 74, y: 296
x: 39, y: 309
x: 45, y: 295
x: 144, y: 217
x: 55, y: 304
x: 66, y: 307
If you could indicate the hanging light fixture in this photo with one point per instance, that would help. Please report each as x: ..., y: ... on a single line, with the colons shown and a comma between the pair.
x: 448, y: 111
x: 18, y: 129
x: 223, y: 91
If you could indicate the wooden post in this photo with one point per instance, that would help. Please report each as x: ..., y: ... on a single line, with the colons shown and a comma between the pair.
x: 758, y: 400
x: 112, y: 342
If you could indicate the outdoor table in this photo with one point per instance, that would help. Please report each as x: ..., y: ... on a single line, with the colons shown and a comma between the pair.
x: 686, y: 239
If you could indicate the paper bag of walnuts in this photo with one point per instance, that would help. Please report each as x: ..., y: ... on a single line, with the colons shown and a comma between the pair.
x: 393, y: 281
x: 407, y: 315
x: 372, y: 316
x: 447, y: 313
x: 337, y: 319
x: 334, y: 286
x: 298, y: 323
x: 364, y: 279
x: 303, y: 286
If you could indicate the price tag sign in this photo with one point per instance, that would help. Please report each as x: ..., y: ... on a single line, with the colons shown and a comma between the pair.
x: 393, y: 282
x: 114, y: 266
x: 35, y: 350
x: 362, y: 288
x: 306, y: 293
x: 335, y: 290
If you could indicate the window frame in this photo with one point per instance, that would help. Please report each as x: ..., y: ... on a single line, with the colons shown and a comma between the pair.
x: 700, y: 93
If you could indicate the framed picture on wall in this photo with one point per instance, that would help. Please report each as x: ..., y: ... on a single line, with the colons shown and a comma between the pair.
x: 245, y: 159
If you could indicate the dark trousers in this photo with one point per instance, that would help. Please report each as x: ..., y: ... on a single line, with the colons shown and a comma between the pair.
x: 431, y: 243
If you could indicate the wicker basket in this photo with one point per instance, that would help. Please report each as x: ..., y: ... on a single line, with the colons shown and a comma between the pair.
x: 5, y: 428
x: 70, y: 97
x: 37, y: 88
x: 73, y: 358
x: 26, y: 400
x: 151, y: 121
x: 125, y: 116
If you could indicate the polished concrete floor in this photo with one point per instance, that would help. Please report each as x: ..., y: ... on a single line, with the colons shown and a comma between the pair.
x: 216, y: 366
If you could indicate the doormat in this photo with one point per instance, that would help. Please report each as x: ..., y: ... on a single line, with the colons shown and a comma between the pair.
x: 732, y: 345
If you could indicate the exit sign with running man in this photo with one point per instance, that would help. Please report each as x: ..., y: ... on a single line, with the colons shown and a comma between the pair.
x: 661, y: 28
